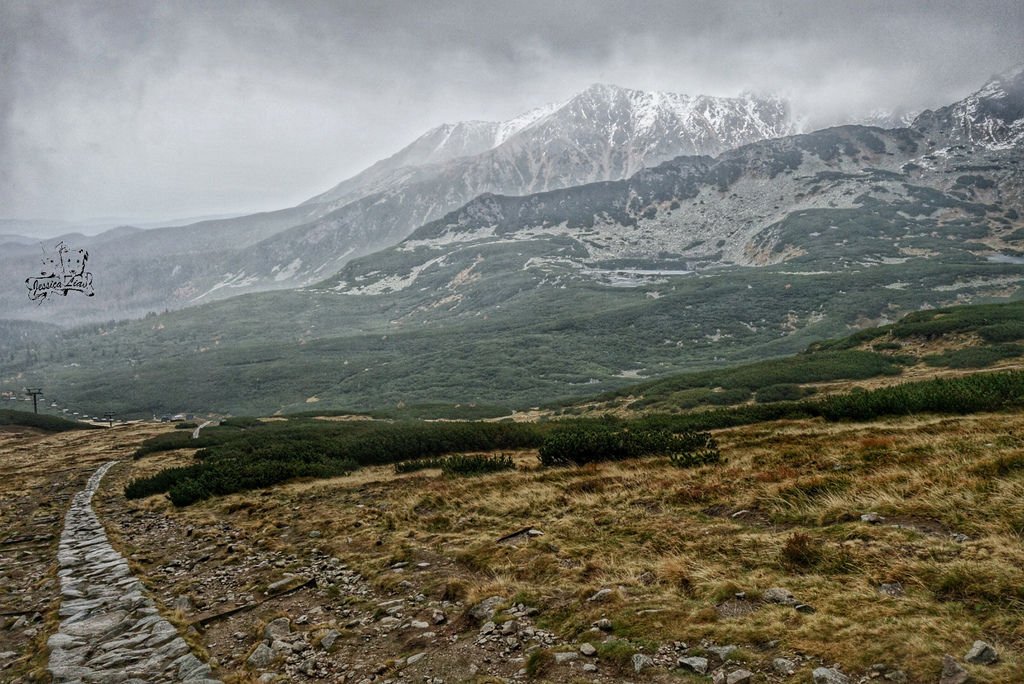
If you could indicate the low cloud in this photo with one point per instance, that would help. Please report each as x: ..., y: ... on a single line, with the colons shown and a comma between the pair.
x: 175, y: 109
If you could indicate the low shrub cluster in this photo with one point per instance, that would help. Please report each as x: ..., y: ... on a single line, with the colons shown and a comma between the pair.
x: 417, y: 464
x: 961, y: 395
x: 782, y: 392
x: 475, y: 464
x: 248, y: 454
x: 41, y: 421
x: 734, y: 385
x: 966, y: 394
x: 235, y: 459
x: 975, y: 357
x: 698, y: 454
x: 194, y: 483
x: 583, y: 444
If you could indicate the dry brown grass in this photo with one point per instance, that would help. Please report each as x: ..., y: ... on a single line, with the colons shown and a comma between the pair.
x: 782, y: 510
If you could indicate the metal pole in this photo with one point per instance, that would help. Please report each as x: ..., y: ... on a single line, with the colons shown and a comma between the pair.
x: 34, y: 392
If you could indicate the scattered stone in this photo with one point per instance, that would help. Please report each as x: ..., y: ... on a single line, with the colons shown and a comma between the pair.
x: 829, y: 675
x: 277, y: 628
x: 280, y: 649
x: 588, y: 650
x: 566, y: 656
x: 419, y: 624
x: 438, y: 616
x: 183, y: 603
x: 279, y: 585
x: 601, y: 595
x: 783, y: 666
x: 694, y: 664
x: 723, y: 652
x: 894, y: 589
x: 486, y: 609
x: 260, y: 658
x: 779, y: 595
x: 803, y: 608
x: 642, y: 662
x: 413, y: 659
x: 959, y: 537
x: 604, y: 624
x: 328, y: 640
x: 981, y: 654
x: 589, y: 667
x: 739, y: 677
x: 898, y: 676
x: 872, y: 518
x: 953, y: 672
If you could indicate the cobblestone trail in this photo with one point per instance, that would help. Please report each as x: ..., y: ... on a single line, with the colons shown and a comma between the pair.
x: 110, y: 631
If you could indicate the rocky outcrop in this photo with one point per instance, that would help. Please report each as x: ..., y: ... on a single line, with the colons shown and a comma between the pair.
x: 110, y: 630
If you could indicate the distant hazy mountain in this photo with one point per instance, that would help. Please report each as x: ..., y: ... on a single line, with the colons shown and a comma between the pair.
x: 603, y: 133
x: 611, y: 131
x: 438, y: 145
x: 838, y: 196
x: 886, y: 118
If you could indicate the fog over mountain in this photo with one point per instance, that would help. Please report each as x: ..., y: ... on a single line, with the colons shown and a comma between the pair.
x: 161, y: 110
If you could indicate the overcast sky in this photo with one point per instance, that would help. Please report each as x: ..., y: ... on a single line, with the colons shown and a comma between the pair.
x: 150, y: 109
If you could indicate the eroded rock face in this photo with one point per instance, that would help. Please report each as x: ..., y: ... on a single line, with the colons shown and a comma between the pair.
x: 110, y: 630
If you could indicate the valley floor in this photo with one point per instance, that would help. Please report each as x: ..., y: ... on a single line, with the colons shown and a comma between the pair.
x: 391, y: 577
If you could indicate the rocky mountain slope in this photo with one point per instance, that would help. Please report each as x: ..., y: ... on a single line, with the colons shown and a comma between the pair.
x: 697, y: 262
x: 603, y: 133
x: 993, y: 117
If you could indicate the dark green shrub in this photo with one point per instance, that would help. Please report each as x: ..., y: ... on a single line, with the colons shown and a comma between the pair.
x: 967, y: 394
x: 41, y: 421
x: 236, y: 459
x: 186, y: 492
x: 418, y: 464
x: 593, y: 443
x: 187, y: 425
x: 974, y: 357
x: 475, y: 464
x: 1007, y: 331
x: 727, y: 397
x: 702, y: 451
x: 781, y: 392
x: 241, y: 422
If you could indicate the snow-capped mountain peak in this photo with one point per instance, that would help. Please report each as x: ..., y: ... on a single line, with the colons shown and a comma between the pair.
x: 992, y: 117
x: 640, y: 127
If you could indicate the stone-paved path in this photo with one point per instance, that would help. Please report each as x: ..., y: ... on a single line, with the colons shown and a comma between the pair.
x: 110, y: 631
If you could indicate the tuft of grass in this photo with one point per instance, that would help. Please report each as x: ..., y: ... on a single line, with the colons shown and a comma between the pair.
x: 539, y: 662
